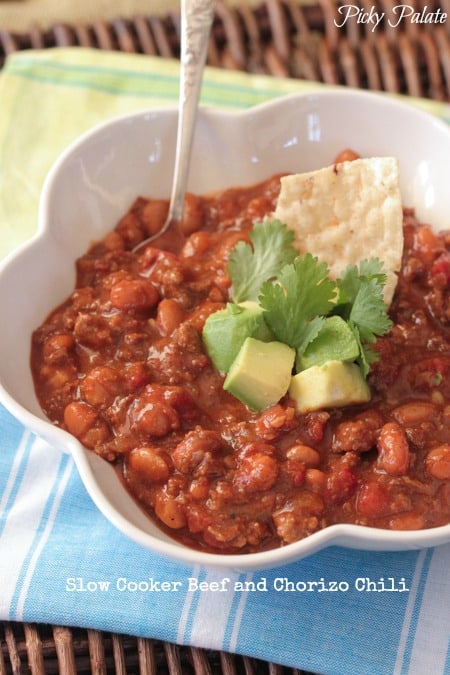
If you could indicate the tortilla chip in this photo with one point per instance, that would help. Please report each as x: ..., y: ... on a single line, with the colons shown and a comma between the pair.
x: 346, y: 213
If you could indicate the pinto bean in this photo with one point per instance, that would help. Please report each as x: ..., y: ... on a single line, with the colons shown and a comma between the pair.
x: 134, y: 295
x: 153, y: 414
x: 437, y: 462
x: 305, y: 454
x: 170, y: 511
x: 414, y: 412
x: 198, y: 243
x: 79, y: 418
x: 169, y: 315
x: 83, y: 422
x: 153, y: 215
x: 256, y: 472
x: 199, y: 488
x: 316, y: 480
x: 150, y: 463
x: 393, y: 450
x: 156, y: 420
x: 101, y: 386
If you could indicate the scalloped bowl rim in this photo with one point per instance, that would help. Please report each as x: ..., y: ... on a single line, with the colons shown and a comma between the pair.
x: 347, y: 535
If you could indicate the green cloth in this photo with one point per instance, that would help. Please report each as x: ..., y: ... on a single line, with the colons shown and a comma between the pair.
x: 49, y: 97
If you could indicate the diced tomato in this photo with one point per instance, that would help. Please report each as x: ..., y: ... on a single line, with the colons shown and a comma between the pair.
x: 372, y: 500
x: 441, y: 269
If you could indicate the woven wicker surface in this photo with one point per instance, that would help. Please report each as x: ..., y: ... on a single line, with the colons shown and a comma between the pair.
x: 286, y: 39
x: 46, y: 650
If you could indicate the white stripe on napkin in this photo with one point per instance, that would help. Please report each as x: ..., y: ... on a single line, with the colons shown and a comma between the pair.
x: 232, y: 644
x: 409, y: 612
x: 431, y: 639
x: 185, y: 612
x: 35, y: 551
x: 15, y: 469
x: 34, y: 474
x: 213, y: 611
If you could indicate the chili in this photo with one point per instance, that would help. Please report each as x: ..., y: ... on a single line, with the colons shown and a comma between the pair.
x: 121, y: 365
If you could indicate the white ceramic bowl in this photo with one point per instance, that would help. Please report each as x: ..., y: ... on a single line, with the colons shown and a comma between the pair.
x: 95, y: 180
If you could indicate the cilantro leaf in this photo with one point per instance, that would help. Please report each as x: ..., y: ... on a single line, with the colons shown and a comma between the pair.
x: 296, y: 304
x: 368, y: 311
x: 367, y: 355
x: 360, y: 299
x: 361, y: 303
x: 250, y: 265
x: 353, y: 276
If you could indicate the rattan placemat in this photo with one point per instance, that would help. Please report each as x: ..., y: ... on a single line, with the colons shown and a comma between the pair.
x: 286, y: 38
x: 48, y: 650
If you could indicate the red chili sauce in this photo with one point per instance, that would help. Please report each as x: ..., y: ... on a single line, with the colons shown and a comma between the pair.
x: 121, y: 366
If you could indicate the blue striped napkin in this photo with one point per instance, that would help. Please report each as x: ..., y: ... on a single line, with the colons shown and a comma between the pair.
x: 61, y: 562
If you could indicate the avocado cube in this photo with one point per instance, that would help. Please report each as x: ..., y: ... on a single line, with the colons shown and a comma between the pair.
x: 333, y: 384
x: 261, y: 373
x: 335, y: 342
x: 224, y: 332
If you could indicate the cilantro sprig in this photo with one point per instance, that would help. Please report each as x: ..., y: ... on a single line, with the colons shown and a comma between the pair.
x: 297, y: 302
x: 296, y: 293
x: 250, y: 265
x: 361, y: 304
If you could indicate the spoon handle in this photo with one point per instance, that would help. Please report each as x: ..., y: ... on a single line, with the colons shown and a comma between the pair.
x: 196, y: 21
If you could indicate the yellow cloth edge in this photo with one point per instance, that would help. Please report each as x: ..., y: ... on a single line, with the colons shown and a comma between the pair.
x: 49, y: 116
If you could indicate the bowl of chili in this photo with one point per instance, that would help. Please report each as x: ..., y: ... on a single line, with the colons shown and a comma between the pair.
x: 106, y: 358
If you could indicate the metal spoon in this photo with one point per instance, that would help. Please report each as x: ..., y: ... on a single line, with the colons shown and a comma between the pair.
x: 196, y: 21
